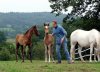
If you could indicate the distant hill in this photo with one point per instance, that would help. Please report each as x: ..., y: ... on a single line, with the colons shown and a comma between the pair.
x: 14, y: 22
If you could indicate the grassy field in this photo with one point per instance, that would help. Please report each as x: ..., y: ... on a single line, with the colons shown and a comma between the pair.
x: 41, y: 66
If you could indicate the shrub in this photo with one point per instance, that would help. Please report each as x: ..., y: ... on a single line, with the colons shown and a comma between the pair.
x: 4, y: 54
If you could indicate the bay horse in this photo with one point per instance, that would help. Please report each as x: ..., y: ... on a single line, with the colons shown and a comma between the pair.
x: 24, y: 40
x: 48, y: 43
x: 84, y: 39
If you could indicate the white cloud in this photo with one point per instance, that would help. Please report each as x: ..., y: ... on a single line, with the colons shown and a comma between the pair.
x: 70, y: 8
x: 24, y: 5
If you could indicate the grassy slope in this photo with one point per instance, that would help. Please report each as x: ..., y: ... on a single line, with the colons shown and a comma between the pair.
x: 41, y: 66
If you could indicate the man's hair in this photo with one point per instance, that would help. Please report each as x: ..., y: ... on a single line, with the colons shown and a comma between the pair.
x: 55, y: 21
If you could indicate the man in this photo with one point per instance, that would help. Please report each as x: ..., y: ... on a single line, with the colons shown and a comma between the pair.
x: 60, y: 34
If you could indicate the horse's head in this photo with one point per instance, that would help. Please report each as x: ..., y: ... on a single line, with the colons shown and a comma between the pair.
x: 46, y: 28
x: 35, y: 31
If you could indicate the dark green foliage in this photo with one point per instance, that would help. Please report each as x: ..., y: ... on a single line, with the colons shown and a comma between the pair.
x: 79, y: 7
x: 81, y: 23
x: 4, y: 54
x: 38, y: 51
x: 7, y: 51
x: 2, y: 37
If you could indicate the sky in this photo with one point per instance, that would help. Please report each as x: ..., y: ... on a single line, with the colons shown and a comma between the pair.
x: 26, y: 6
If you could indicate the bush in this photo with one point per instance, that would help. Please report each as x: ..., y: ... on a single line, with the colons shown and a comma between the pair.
x: 7, y: 51
x: 4, y: 55
x: 2, y: 37
x: 12, y: 57
x: 38, y: 51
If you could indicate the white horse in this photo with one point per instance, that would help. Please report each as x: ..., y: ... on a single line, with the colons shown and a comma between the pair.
x: 84, y: 39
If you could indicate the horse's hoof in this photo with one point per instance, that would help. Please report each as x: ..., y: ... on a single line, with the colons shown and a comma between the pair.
x: 72, y: 61
x: 98, y: 60
x: 53, y: 61
x: 95, y: 60
x: 45, y: 61
x: 90, y: 61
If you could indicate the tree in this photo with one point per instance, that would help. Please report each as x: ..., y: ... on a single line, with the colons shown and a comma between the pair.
x: 2, y: 37
x: 88, y: 8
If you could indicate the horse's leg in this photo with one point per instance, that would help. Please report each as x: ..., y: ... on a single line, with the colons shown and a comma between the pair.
x: 45, y: 53
x: 91, y: 50
x: 17, y: 47
x: 95, y: 54
x: 98, y: 56
x: 52, y: 53
x: 22, y: 50
x: 49, y: 51
x: 79, y: 51
x: 72, y: 52
x: 30, y: 52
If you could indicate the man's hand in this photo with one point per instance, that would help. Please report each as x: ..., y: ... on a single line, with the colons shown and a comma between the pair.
x: 52, y: 34
x: 62, y: 39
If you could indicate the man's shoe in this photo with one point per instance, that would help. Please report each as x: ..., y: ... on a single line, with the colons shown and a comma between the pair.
x: 58, y: 62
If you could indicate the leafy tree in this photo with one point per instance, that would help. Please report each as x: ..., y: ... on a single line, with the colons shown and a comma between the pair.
x: 88, y: 8
x: 85, y: 13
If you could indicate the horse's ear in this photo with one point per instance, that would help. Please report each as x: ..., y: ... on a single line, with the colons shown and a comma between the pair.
x: 34, y: 26
x: 48, y: 24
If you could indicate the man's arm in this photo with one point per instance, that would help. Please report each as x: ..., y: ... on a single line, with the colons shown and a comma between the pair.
x: 63, y: 30
x: 53, y: 32
x: 65, y: 34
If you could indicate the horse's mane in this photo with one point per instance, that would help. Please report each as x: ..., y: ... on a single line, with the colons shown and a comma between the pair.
x: 27, y: 31
x: 88, y: 30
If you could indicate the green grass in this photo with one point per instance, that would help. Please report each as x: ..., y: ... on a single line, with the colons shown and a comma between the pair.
x: 41, y: 66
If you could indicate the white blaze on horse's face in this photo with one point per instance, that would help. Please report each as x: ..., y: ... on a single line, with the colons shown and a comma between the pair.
x: 46, y: 29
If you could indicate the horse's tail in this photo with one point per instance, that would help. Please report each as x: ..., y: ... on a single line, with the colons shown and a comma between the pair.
x: 72, y: 38
x: 98, y: 41
x: 17, y: 36
x: 97, y: 36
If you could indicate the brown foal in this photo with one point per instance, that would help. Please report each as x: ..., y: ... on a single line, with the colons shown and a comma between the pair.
x: 24, y: 40
x: 48, y: 43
